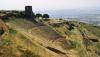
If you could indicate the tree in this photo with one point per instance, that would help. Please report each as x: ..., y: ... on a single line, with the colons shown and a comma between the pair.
x: 20, y: 14
x: 15, y: 11
x: 38, y: 15
x: 5, y: 18
x: 10, y: 14
x: 45, y: 16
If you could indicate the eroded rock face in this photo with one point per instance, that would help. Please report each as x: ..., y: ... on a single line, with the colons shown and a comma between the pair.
x: 1, y: 31
x: 3, y: 25
x: 55, y: 50
x: 94, y: 40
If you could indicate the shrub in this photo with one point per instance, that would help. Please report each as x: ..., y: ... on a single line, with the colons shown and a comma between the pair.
x: 56, y: 25
x: 5, y: 18
x: 6, y: 41
x: 45, y: 16
x: 27, y: 53
x: 60, y: 19
x: 72, y: 44
x: 14, y: 11
x: 20, y: 14
x: 12, y: 31
x: 38, y: 15
x: 70, y: 27
x: 97, y: 46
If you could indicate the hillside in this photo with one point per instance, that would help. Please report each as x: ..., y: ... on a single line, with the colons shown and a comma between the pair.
x: 49, y: 38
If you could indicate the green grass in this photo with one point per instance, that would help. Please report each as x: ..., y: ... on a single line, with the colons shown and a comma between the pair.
x: 83, y: 53
x: 6, y: 41
x: 93, y: 29
x: 70, y: 44
x: 97, y: 47
x: 12, y: 31
x: 33, y: 47
x: 28, y: 53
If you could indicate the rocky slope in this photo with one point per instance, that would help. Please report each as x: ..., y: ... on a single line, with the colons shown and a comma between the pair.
x: 49, y: 38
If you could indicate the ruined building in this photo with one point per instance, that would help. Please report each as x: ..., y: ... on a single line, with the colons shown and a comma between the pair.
x: 28, y: 12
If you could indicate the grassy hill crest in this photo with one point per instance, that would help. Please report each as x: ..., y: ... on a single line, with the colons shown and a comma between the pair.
x: 49, y: 38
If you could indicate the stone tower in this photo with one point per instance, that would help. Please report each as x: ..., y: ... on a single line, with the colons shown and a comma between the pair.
x: 28, y: 12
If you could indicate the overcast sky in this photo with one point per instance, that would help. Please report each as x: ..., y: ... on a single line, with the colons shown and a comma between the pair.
x: 49, y: 4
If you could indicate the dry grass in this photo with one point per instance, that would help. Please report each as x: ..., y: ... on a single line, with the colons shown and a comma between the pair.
x: 31, y: 40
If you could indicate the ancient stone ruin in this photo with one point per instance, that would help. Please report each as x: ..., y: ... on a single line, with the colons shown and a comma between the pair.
x: 28, y: 12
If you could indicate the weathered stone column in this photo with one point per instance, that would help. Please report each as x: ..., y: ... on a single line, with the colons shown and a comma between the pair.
x: 28, y: 12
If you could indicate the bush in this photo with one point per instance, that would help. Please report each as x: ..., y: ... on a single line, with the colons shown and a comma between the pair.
x: 38, y: 15
x: 71, y: 27
x: 45, y: 16
x: 60, y: 19
x: 72, y: 44
x: 14, y: 11
x: 6, y: 41
x: 56, y: 25
x: 28, y: 53
x: 5, y: 18
x: 20, y: 14
x: 12, y: 31
x: 97, y: 46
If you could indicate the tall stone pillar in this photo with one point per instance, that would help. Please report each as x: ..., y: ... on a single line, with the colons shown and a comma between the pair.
x: 28, y: 12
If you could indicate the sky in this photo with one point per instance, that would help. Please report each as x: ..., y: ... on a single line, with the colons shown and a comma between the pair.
x: 49, y: 4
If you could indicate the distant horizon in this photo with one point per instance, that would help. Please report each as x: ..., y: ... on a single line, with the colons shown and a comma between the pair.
x: 49, y: 4
x: 55, y: 8
x: 67, y: 13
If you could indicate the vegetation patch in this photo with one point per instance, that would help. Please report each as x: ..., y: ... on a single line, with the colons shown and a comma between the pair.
x: 46, y: 19
x: 72, y: 44
x: 5, y: 18
x: 6, y: 41
x: 97, y: 47
x: 7, y: 51
x: 83, y: 53
x: 27, y: 53
x: 93, y: 29
x: 12, y: 31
